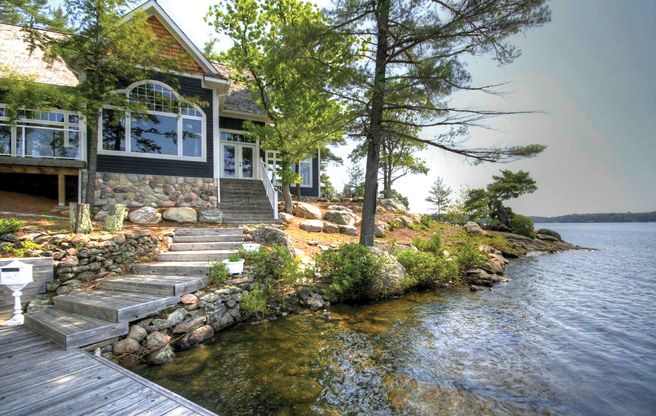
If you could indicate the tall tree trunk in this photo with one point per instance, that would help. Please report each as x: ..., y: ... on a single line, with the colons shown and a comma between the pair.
x: 286, y: 191
x: 92, y: 165
x: 376, y: 133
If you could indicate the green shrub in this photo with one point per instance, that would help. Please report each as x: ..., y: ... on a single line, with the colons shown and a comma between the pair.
x: 22, y: 248
x: 468, y: 255
x: 499, y: 242
x: 348, y: 271
x: 522, y: 225
x: 427, y: 270
x: 217, y: 273
x: 432, y: 245
x: 427, y: 221
x: 275, y: 263
x: 234, y: 257
x: 10, y: 225
x: 256, y: 301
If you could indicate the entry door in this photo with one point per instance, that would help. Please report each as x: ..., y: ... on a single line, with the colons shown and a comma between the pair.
x: 238, y: 161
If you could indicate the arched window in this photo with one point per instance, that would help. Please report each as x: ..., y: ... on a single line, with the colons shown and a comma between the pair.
x: 168, y: 129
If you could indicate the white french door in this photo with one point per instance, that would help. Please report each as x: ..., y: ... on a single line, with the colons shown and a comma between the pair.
x: 238, y: 160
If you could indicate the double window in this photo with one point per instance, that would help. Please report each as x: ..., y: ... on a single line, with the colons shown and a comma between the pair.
x: 304, y: 168
x: 168, y: 129
x: 45, y: 134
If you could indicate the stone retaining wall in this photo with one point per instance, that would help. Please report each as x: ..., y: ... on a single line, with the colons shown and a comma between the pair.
x: 81, y: 258
x: 136, y: 190
x: 193, y: 321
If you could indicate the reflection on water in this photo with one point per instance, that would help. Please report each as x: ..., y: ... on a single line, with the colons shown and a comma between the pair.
x: 572, y: 333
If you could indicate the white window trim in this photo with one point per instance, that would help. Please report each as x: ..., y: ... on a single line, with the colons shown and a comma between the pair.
x: 128, y: 130
x: 310, y: 161
x: 65, y: 126
x: 277, y: 159
x: 256, y: 153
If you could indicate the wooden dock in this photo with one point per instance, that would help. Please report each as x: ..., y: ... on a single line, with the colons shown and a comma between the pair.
x: 40, y: 378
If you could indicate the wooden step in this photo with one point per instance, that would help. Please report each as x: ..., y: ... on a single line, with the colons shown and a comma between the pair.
x: 154, y: 285
x: 213, y: 245
x: 172, y: 268
x: 251, y: 221
x: 204, y: 255
x: 70, y: 330
x: 114, y: 306
x: 216, y: 231
x: 208, y: 238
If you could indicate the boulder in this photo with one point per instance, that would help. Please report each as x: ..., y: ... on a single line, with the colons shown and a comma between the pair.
x: 348, y: 230
x: 286, y: 218
x: 550, y: 233
x: 379, y: 230
x: 390, y: 280
x: 341, y: 217
x: 313, y: 226
x: 392, y: 205
x: 197, y: 336
x: 127, y: 346
x: 330, y: 228
x: 210, y: 216
x: 311, y: 300
x: 474, y: 229
x: 339, y: 208
x: 272, y: 235
x: 189, y: 299
x: 181, y: 214
x: 494, y: 266
x: 189, y: 325
x: 145, y: 215
x: 406, y: 221
x: 305, y: 210
x: 137, y: 333
x: 156, y: 340
x: 176, y: 317
x: 161, y: 356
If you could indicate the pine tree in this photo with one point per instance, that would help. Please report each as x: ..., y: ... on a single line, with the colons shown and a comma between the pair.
x: 439, y: 195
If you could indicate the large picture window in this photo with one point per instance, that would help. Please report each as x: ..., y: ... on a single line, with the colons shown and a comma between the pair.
x: 43, y: 134
x: 168, y: 129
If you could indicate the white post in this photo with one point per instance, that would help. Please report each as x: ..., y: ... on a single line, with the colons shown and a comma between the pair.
x: 16, y: 275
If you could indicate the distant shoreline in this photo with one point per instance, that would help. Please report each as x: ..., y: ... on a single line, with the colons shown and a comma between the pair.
x: 599, y: 218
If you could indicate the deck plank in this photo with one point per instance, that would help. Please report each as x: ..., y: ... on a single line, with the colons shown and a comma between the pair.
x: 46, y: 380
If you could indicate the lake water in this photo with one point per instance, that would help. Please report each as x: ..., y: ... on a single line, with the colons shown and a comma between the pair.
x: 572, y: 333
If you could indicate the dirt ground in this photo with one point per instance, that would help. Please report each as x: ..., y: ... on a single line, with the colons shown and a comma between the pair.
x: 27, y: 204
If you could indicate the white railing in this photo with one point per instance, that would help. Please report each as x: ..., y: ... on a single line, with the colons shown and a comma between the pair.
x: 268, y: 177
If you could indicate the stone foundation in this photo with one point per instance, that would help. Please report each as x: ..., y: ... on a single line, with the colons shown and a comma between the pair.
x: 136, y: 190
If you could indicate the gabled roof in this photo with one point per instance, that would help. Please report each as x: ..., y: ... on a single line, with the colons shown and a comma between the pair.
x: 151, y: 7
x: 15, y: 54
x: 238, y: 98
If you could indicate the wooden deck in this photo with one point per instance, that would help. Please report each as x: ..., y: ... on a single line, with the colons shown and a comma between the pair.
x: 39, y: 378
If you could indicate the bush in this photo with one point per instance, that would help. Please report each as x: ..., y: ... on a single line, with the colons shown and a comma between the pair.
x: 256, y: 301
x: 275, y: 263
x: 427, y: 221
x: 234, y: 257
x: 10, y: 225
x: 217, y: 273
x: 468, y: 255
x: 348, y: 271
x: 432, y: 245
x: 522, y: 225
x: 22, y: 248
x: 426, y: 270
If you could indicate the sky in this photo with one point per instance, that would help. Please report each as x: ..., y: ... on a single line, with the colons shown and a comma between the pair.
x: 590, y: 77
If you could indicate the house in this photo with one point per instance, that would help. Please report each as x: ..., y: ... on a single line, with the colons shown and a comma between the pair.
x: 176, y: 156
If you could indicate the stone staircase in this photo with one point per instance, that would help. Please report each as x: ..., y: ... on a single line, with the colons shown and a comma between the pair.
x: 245, y: 201
x: 93, y: 316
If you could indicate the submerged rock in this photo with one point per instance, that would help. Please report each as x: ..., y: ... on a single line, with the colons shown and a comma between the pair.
x: 161, y: 356
x: 197, y: 336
